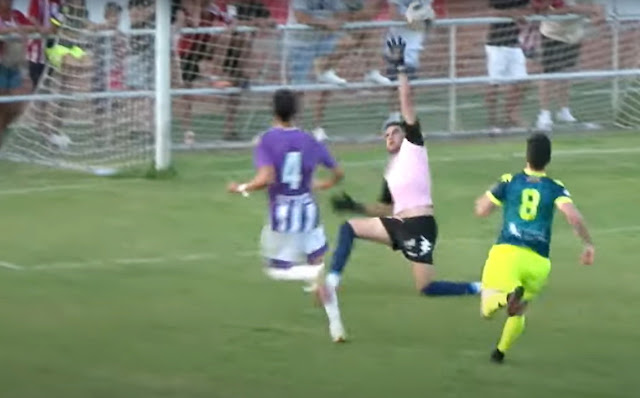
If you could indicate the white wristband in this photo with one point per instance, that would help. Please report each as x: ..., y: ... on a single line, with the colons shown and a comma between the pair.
x: 242, y: 188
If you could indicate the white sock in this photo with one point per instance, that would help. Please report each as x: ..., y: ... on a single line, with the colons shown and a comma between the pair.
x: 545, y: 112
x: 332, y: 308
x: 333, y: 280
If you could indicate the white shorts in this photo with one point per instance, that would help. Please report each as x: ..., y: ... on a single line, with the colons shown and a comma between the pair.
x: 506, y: 63
x: 292, y: 248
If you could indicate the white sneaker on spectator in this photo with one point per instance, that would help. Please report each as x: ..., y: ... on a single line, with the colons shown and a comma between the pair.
x: 330, y: 77
x: 374, y: 76
x: 62, y: 141
x: 544, y: 122
x: 564, y: 115
x: 320, y: 134
x: 189, y: 138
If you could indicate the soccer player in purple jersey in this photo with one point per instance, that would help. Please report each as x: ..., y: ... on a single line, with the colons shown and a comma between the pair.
x: 403, y: 218
x: 293, y: 242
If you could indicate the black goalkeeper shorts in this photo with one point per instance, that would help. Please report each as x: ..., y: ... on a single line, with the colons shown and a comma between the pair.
x: 415, y: 236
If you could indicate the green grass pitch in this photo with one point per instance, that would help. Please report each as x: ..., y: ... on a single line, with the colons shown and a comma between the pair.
x: 138, y: 288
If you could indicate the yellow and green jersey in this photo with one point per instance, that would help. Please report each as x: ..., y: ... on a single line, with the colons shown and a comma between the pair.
x: 529, y: 201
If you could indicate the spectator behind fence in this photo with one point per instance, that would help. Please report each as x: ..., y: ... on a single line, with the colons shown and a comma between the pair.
x: 319, y: 49
x: 194, y: 48
x: 72, y: 69
x: 41, y: 13
x: 412, y: 37
x: 366, y: 39
x: 139, y: 65
x: 13, y: 59
x: 561, y: 42
x: 323, y: 46
x: 70, y: 56
x: 110, y: 50
x: 506, y: 59
x: 240, y: 53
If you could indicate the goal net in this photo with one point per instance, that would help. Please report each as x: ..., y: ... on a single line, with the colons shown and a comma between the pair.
x: 95, y: 110
x: 92, y: 107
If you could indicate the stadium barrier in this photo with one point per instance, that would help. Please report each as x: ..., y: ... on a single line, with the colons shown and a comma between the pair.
x: 114, y: 143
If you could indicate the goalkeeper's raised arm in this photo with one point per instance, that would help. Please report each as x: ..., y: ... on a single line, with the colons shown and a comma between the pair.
x: 396, y: 48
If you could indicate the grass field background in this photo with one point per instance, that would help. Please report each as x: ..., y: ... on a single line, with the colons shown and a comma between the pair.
x: 138, y: 288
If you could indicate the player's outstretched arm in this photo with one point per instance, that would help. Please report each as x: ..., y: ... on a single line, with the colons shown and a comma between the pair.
x: 383, y: 208
x: 397, y: 47
x: 337, y: 175
x: 492, y: 198
x: 264, y: 177
x: 328, y: 161
x: 484, y: 206
x: 575, y: 219
x: 345, y: 203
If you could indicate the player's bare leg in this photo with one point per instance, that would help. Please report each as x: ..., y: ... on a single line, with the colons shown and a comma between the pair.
x: 423, y: 274
x: 370, y: 229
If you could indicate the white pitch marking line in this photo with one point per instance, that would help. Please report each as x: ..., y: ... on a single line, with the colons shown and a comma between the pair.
x: 125, y: 261
x: 53, y: 188
x: 356, y: 163
x: 47, y: 188
x: 195, y: 257
x: 11, y: 266
x: 450, y: 159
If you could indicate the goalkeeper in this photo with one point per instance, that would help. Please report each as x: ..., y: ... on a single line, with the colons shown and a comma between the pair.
x: 403, y: 218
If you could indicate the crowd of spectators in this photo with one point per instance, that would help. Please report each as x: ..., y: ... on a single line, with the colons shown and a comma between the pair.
x: 108, y: 59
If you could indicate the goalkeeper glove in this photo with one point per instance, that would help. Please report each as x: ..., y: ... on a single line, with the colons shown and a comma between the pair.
x: 396, y: 46
x: 345, y: 202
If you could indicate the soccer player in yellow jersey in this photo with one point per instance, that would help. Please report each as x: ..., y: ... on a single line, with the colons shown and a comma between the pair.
x: 518, y: 264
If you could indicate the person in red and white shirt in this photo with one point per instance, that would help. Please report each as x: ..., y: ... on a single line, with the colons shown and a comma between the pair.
x: 41, y: 13
x: 12, y: 58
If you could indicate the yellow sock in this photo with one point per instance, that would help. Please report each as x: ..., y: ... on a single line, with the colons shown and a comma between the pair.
x: 493, y: 303
x: 513, y: 328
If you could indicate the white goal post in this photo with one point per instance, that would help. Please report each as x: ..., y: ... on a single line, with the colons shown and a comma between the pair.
x: 449, y: 95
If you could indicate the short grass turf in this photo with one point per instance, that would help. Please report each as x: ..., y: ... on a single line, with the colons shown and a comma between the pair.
x: 138, y: 288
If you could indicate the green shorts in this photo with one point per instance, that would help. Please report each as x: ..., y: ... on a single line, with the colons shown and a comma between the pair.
x: 56, y: 54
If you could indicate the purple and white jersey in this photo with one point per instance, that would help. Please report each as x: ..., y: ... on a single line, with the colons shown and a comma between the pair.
x: 295, y: 155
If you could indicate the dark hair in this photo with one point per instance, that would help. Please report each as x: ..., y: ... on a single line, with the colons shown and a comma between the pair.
x: 538, y: 151
x: 285, y: 104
